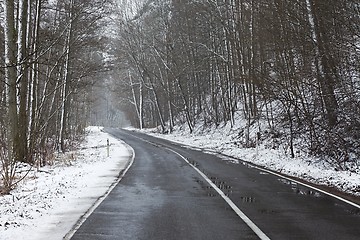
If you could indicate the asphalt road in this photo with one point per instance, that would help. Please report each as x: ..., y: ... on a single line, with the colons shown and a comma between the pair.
x: 163, y: 196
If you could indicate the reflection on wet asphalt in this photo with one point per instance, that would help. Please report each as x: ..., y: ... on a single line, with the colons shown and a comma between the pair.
x: 162, y: 197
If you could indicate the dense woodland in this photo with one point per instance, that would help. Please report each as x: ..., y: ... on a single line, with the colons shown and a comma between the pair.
x: 291, y: 64
x: 51, y: 57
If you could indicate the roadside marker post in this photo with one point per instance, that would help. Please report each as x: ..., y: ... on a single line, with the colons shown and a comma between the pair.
x: 108, y: 148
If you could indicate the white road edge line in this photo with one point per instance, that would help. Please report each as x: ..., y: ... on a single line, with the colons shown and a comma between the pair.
x: 281, y: 176
x: 263, y: 169
x: 260, y: 169
x: 83, y: 218
x: 242, y: 215
x: 308, y: 186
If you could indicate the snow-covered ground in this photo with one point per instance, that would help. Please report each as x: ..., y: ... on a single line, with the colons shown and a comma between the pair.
x: 225, y: 140
x: 50, y: 201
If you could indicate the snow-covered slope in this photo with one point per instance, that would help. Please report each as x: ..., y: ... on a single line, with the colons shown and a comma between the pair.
x: 267, y: 153
x: 50, y: 201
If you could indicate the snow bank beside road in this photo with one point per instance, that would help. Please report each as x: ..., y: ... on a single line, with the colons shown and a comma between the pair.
x: 221, y: 140
x: 50, y: 201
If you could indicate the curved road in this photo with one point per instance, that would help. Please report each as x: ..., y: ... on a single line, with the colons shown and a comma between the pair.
x: 173, y: 192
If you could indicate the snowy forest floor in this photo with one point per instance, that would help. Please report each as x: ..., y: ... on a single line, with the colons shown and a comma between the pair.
x: 51, y: 199
x: 225, y: 140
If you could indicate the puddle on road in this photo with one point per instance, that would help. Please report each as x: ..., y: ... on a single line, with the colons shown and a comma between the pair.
x: 194, y: 163
x: 222, y: 185
x: 211, y: 194
x: 213, y: 179
x: 299, y: 189
x: 210, y: 191
x: 268, y: 211
x: 247, y: 199
x: 354, y: 212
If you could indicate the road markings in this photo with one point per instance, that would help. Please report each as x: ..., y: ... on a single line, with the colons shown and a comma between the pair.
x: 263, y: 169
x: 275, y: 174
x: 242, y: 215
x: 83, y: 218
x: 308, y: 186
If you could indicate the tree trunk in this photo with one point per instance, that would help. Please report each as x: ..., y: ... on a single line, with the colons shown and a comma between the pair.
x: 22, y: 79
x: 66, y: 79
x: 11, y: 99
x: 34, y: 81
x: 322, y: 63
x: 137, y: 103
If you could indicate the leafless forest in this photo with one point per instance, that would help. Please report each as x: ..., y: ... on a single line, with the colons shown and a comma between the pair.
x: 51, y: 57
x: 293, y: 64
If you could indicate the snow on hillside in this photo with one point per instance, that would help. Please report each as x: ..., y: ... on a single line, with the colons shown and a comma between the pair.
x: 227, y: 140
x: 50, y: 201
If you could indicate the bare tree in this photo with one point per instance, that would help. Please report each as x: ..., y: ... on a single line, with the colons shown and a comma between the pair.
x: 293, y: 64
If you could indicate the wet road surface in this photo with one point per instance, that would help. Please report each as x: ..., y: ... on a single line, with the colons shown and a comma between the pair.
x: 163, y: 196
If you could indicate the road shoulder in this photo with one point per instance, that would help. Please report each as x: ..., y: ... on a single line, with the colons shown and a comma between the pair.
x: 50, y: 202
